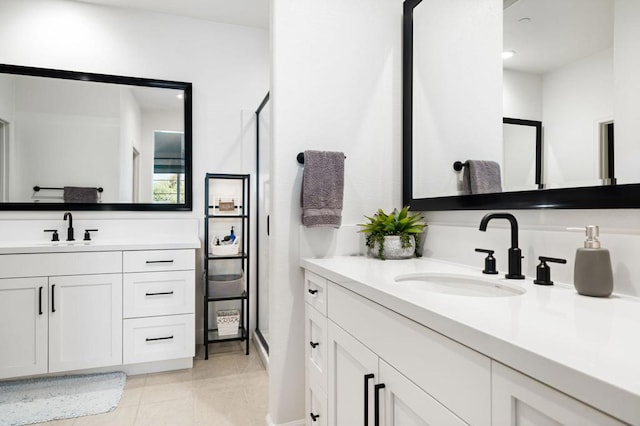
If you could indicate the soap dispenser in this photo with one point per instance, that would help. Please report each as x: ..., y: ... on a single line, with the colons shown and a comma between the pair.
x: 592, y: 274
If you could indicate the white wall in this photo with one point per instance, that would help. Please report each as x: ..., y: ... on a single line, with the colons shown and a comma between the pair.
x: 130, y: 122
x: 627, y: 90
x: 336, y: 85
x: 227, y: 64
x: 457, y: 88
x: 576, y: 98
x: 521, y: 95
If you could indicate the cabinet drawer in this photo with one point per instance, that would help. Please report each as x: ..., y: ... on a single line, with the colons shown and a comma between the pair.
x: 316, y: 346
x: 316, y: 403
x: 456, y: 376
x: 315, y: 291
x: 158, y: 293
x: 158, y: 260
x: 51, y: 264
x: 158, y: 338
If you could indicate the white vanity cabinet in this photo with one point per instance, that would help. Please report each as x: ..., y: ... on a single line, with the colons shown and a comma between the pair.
x: 418, y: 376
x: 65, y: 311
x: 159, y: 301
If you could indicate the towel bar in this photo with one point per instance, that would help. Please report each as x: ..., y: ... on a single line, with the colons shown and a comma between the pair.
x: 300, y: 157
x: 38, y: 188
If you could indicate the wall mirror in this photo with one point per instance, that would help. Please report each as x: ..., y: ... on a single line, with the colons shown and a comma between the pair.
x: 575, y: 68
x: 81, y: 141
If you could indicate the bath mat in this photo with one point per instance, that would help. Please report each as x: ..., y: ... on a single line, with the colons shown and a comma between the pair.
x: 43, y: 399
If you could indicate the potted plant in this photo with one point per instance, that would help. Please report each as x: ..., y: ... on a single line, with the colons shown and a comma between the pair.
x: 393, y: 236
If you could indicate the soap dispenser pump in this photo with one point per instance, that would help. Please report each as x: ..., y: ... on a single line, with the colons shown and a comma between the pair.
x: 592, y: 274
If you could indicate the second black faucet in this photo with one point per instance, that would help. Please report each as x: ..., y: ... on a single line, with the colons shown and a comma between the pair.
x: 70, y: 228
x: 515, y: 254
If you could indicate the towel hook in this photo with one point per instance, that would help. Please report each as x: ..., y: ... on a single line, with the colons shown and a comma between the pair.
x: 459, y: 165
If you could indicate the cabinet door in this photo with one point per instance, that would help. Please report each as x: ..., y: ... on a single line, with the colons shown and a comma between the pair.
x: 349, y: 364
x: 85, y: 321
x: 405, y: 404
x: 23, y: 326
x: 520, y: 400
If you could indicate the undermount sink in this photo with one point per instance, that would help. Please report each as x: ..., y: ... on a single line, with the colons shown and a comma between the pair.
x: 459, y: 285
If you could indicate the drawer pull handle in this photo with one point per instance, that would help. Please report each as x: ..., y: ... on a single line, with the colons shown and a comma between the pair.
x: 314, y: 344
x: 153, y: 339
x: 376, y: 403
x: 163, y: 293
x: 314, y: 417
x: 160, y: 261
x: 367, y: 377
x: 312, y: 291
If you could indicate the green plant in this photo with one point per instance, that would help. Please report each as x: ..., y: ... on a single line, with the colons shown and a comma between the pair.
x: 399, y: 223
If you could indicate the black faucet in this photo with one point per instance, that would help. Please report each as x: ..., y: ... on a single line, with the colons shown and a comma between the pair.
x: 515, y: 254
x: 70, y: 228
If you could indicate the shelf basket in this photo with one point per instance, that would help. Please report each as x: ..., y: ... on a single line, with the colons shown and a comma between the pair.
x: 228, y: 322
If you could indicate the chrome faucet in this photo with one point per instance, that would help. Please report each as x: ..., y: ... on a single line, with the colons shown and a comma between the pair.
x: 515, y: 254
x: 70, y: 228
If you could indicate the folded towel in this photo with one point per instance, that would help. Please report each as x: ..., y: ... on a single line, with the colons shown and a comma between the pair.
x: 322, y: 188
x: 481, y: 177
x: 77, y: 194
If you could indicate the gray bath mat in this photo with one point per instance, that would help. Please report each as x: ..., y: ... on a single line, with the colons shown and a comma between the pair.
x: 28, y: 401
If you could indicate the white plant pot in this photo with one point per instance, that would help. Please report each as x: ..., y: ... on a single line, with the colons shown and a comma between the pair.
x: 393, y: 248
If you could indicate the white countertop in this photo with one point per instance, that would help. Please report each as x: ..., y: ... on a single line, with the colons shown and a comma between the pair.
x: 22, y: 247
x: 584, y: 346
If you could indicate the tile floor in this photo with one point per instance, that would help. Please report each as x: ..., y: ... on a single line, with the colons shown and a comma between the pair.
x: 229, y: 389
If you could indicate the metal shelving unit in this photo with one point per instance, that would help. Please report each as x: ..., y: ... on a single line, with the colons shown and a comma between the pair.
x: 212, y: 280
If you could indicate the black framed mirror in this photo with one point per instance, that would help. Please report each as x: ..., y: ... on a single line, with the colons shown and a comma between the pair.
x: 84, y: 141
x: 602, y: 191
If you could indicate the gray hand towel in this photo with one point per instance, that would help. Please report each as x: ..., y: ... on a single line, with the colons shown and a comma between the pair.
x: 322, y: 188
x: 481, y: 177
x: 78, y: 194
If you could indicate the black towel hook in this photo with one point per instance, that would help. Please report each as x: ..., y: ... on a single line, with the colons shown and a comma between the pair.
x: 459, y: 165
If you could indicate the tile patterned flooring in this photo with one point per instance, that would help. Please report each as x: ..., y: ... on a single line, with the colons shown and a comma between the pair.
x: 229, y: 389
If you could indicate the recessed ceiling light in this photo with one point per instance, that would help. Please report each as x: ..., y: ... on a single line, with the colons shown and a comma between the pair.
x: 508, y: 54
x: 180, y: 96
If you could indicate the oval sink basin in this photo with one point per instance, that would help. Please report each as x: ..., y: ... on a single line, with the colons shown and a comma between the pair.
x: 459, y: 285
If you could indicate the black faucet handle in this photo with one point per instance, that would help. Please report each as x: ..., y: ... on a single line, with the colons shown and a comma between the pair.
x: 543, y: 271
x: 87, y: 236
x: 54, y: 235
x: 551, y: 259
x: 489, y: 261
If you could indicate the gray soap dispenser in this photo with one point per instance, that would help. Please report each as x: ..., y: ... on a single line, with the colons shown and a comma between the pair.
x: 592, y: 275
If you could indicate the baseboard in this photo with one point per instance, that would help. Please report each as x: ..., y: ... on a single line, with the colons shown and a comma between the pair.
x: 269, y: 422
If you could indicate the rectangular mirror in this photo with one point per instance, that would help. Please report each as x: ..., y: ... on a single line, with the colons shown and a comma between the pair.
x: 574, y: 68
x: 80, y: 141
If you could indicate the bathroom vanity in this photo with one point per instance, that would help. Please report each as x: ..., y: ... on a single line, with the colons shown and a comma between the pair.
x: 76, y: 306
x: 402, y: 353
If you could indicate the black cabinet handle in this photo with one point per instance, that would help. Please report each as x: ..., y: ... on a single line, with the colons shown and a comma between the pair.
x: 314, y: 417
x: 376, y: 402
x: 312, y: 291
x: 367, y: 377
x: 314, y: 344
x: 153, y: 339
x: 164, y: 293
x: 160, y: 261
x: 53, y: 298
x: 40, y: 301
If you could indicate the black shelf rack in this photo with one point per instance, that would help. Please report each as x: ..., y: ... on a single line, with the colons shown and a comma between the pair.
x: 240, y: 220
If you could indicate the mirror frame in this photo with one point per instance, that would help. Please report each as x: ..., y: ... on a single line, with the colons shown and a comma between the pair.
x: 129, y: 81
x: 588, y: 197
